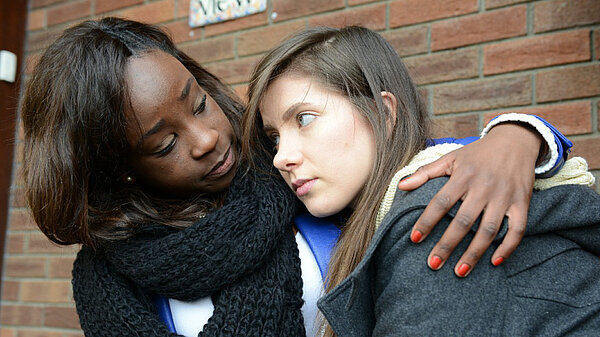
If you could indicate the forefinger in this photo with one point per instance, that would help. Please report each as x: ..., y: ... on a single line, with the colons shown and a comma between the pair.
x: 439, y: 205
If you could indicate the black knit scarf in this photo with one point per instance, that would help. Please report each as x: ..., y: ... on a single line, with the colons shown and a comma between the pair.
x: 243, y: 255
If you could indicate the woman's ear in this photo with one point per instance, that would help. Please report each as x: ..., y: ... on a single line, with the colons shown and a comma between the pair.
x: 390, y: 102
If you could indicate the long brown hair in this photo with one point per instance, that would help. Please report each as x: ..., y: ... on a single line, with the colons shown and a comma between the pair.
x: 76, y: 151
x: 359, y: 64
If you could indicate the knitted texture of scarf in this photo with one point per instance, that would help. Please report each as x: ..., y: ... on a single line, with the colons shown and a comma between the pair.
x: 243, y: 255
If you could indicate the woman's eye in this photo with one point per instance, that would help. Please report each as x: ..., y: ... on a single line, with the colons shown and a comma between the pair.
x: 275, y: 140
x: 166, y: 146
x: 201, y: 106
x: 305, y: 118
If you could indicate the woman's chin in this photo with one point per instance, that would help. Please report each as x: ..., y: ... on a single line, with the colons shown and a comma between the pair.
x: 320, y: 211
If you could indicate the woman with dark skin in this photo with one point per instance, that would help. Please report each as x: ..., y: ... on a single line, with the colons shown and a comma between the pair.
x: 132, y: 150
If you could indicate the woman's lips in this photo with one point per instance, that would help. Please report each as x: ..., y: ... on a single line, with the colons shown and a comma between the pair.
x: 224, y: 166
x: 303, y: 186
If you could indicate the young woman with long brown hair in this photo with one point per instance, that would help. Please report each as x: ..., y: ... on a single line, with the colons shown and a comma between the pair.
x: 132, y: 150
x: 345, y: 122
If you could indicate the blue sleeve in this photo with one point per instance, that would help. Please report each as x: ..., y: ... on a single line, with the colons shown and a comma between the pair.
x: 563, y: 146
x: 449, y: 140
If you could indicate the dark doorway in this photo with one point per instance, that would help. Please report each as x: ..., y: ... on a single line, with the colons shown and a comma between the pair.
x: 13, y: 18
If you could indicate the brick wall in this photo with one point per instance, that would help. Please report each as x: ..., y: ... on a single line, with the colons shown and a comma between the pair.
x: 472, y: 58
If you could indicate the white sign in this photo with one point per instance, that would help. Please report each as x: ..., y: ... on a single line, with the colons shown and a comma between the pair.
x: 203, y: 12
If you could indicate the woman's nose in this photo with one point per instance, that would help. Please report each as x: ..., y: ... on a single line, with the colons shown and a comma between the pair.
x: 203, y: 141
x: 288, y: 155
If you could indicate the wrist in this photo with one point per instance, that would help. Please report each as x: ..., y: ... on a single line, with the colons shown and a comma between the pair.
x: 526, y: 138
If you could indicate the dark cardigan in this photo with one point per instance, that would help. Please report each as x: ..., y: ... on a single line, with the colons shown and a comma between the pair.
x: 550, y: 286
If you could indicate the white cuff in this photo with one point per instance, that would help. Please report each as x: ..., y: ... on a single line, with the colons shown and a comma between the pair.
x: 544, y: 131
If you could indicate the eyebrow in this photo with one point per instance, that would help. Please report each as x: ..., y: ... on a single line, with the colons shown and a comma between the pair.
x: 287, y: 115
x: 154, y: 130
x: 186, y: 90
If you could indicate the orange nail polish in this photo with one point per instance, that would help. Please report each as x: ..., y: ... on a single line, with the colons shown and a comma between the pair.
x: 463, y: 269
x: 416, y: 236
x: 498, y: 261
x: 435, y: 262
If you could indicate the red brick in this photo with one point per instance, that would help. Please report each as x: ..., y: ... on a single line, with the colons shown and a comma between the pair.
x: 180, y: 31
x: 46, y: 291
x: 21, y: 220
x: 589, y: 149
x: 488, y: 26
x: 68, y: 12
x: 565, y: 83
x: 29, y: 266
x: 61, y: 317
x: 258, y: 19
x: 489, y: 4
x: 262, y: 39
x: 289, y: 9
x: 15, y: 243
x: 19, y: 147
x: 408, y: 41
x: 18, y: 178
x: 38, y: 243
x: 183, y: 8
x: 235, y: 71
x: 424, y: 94
x: 41, y: 39
x: 219, y: 48
x: 537, y: 51
x: 408, y: 12
x: 20, y: 315
x: 10, y: 290
x: 21, y: 132
x: 104, y: 6
x: 30, y: 62
x: 598, y: 109
x: 18, y: 197
x: 597, y: 44
x: 558, y: 14
x: 60, y: 267
x: 5, y: 332
x: 154, y: 12
x: 458, y: 127
x: 43, y: 3
x: 358, y: 2
x: 445, y: 66
x: 372, y: 17
x: 37, y: 333
x: 36, y: 19
x: 571, y: 118
x: 242, y: 92
x: 482, y: 94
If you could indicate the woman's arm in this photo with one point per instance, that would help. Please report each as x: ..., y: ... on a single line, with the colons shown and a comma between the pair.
x: 493, y: 176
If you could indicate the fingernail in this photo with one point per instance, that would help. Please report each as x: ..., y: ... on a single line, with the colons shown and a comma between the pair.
x: 416, y: 236
x: 498, y: 261
x: 435, y: 262
x: 463, y: 269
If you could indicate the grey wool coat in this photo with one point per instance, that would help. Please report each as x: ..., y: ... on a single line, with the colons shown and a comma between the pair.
x: 550, y: 286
